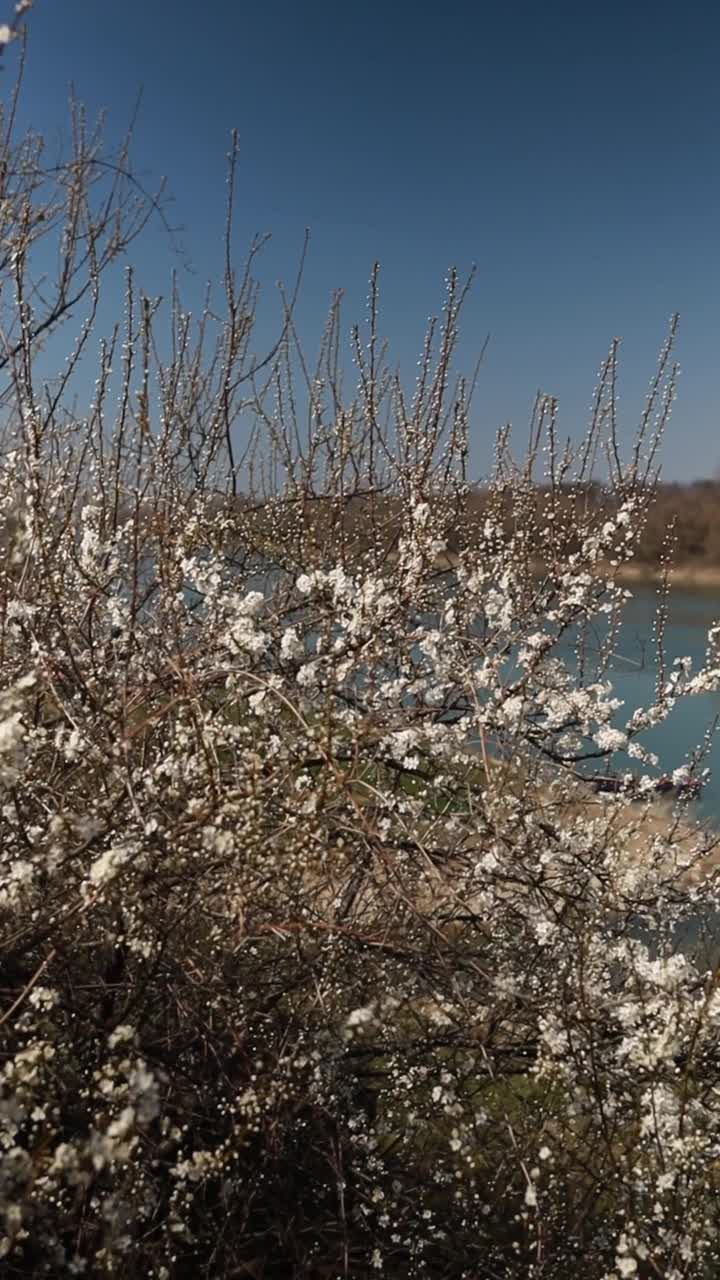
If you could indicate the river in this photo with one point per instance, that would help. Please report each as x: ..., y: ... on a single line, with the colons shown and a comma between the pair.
x: 633, y: 674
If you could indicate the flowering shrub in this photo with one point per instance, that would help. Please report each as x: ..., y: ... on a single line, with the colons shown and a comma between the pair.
x: 318, y: 957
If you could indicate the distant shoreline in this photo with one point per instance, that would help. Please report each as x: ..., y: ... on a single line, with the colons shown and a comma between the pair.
x: 681, y: 575
x: 701, y: 576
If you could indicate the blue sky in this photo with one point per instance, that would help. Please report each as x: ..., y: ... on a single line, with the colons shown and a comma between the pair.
x: 571, y: 151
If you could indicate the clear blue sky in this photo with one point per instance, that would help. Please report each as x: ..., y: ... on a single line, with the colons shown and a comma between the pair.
x: 572, y: 151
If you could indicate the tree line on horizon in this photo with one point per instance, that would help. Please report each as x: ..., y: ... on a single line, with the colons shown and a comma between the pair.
x: 680, y: 519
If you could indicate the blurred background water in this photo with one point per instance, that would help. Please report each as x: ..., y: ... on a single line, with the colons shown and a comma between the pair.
x: 634, y: 675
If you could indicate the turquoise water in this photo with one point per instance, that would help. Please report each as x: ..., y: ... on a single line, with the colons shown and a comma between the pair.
x: 691, y: 613
x: 633, y: 676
